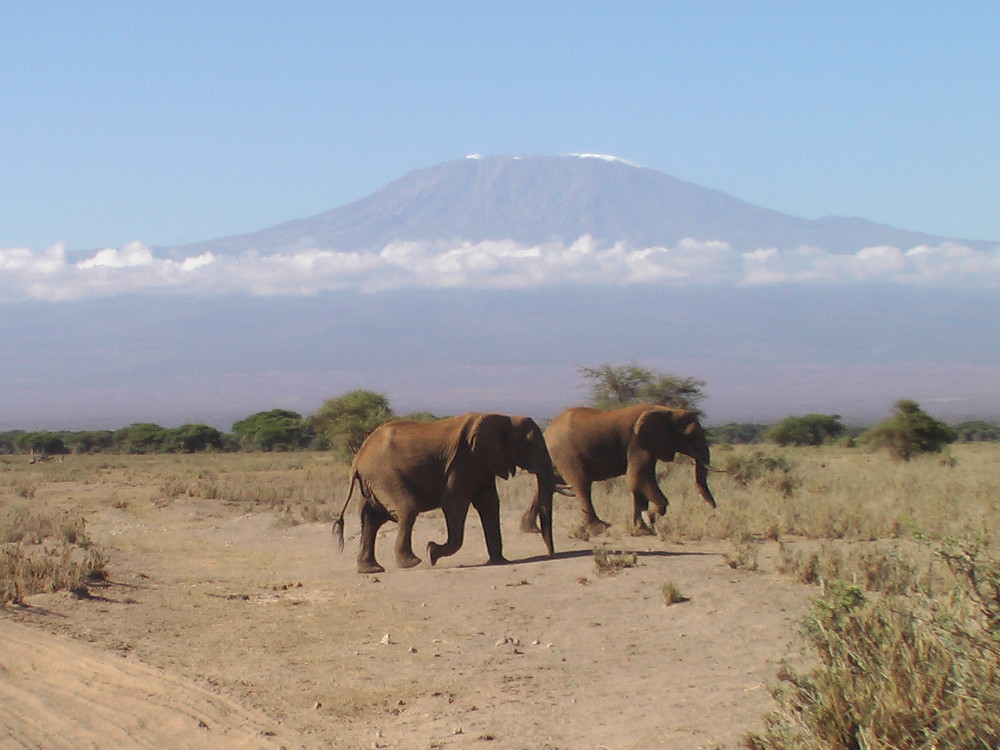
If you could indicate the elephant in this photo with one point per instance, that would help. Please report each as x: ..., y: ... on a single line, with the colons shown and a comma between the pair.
x: 590, y: 445
x: 405, y: 468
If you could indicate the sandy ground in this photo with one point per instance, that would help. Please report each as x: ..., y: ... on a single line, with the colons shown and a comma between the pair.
x: 221, y: 629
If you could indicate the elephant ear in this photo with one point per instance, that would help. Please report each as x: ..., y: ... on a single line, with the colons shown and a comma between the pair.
x: 656, y: 432
x: 490, y: 442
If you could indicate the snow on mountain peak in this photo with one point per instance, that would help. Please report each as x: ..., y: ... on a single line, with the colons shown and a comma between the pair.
x: 606, y: 157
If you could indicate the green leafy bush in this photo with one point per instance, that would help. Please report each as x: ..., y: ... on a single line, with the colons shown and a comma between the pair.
x: 274, y: 430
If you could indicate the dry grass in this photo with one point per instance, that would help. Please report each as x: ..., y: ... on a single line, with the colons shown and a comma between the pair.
x: 45, y: 548
x: 824, y: 493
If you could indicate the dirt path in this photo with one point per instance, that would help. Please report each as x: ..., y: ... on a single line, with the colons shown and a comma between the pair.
x: 219, y: 627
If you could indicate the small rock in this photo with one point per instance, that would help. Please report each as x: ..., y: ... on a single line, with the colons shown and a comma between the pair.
x: 411, y: 650
x: 386, y: 640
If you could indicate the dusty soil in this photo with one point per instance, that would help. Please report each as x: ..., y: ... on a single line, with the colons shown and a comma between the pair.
x: 221, y: 628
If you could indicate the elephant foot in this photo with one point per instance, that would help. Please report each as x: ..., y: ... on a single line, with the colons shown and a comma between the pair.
x: 369, y: 566
x: 498, y: 561
x: 529, y: 526
x: 590, y: 528
x: 434, y: 552
x: 644, y: 524
x: 407, y: 560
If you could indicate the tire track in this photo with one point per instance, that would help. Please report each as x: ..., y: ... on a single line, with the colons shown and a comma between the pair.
x: 58, y: 693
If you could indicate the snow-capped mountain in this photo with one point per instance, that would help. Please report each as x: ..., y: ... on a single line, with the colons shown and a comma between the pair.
x: 533, y: 200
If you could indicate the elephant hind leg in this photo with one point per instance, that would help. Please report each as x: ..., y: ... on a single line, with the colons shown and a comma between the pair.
x: 404, y: 541
x: 372, y: 519
x: 592, y: 525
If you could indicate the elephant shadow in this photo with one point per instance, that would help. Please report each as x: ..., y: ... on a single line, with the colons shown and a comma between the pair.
x: 577, y: 553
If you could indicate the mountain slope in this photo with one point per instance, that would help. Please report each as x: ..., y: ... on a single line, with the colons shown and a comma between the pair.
x: 539, y: 199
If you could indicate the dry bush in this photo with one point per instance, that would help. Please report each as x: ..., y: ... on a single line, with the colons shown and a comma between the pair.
x: 897, y: 671
x: 608, y: 562
x: 672, y: 594
x: 745, y: 553
x: 45, y: 552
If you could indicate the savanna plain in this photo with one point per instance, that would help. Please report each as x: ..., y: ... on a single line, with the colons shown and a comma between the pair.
x: 199, y: 600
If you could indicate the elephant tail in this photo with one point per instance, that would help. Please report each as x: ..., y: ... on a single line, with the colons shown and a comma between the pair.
x: 338, y: 524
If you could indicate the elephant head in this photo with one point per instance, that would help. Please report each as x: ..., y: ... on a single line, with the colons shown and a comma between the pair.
x: 665, y: 432
x: 506, y: 444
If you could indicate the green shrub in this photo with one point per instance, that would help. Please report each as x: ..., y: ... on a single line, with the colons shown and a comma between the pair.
x: 346, y: 421
x: 812, y: 429
x: 274, y: 430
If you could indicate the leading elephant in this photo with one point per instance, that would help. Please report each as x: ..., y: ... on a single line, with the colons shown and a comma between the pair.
x: 405, y: 468
x: 590, y: 445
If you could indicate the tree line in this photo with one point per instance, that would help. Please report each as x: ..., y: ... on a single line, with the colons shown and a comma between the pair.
x: 342, y: 423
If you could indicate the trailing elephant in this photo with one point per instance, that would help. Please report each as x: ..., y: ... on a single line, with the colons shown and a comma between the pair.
x: 405, y: 468
x: 590, y: 445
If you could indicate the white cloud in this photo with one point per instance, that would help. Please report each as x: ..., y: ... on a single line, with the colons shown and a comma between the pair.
x: 51, y: 275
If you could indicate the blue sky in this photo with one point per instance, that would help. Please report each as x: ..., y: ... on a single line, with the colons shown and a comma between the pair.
x: 128, y: 126
x: 170, y: 123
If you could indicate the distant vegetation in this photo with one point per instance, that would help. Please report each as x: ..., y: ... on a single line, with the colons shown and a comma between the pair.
x: 341, y: 424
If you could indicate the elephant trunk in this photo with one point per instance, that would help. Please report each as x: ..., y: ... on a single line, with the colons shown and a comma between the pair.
x: 543, y: 501
x: 701, y: 480
x: 541, y: 504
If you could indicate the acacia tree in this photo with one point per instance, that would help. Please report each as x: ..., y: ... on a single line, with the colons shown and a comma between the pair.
x: 909, y: 431
x: 613, y: 387
x: 347, y: 420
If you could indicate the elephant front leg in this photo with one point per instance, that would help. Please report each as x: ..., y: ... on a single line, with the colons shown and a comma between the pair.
x: 371, y: 521
x: 487, y: 504
x: 642, y: 520
x: 645, y: 490
x: 455, y: 519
